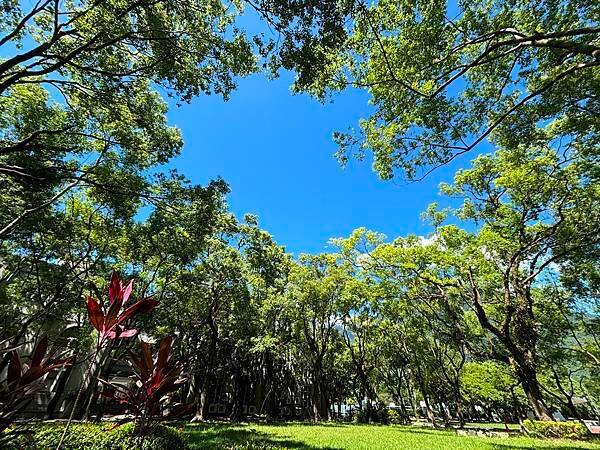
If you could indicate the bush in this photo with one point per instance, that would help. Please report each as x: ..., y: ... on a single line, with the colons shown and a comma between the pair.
x: 381, y: 415
x: 359, y: 416
x: 558, y: 430
x: 378, y: 414
x: 102, y: 437
x: 394, y: 417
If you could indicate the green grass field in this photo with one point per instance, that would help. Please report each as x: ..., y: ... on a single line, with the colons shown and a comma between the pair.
x: 349, y: 436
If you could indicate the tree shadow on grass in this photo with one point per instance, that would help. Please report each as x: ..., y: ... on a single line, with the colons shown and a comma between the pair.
x: 307, y: 424
x: 245, y: 437
x: 224, y: 436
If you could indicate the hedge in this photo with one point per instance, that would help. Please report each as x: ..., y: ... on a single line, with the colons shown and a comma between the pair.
x: 101, y: 437
x: 558, y: 430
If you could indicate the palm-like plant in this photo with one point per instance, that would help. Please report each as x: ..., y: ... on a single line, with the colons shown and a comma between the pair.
x: 110, y: 322
x: 154, y: 377
x: 23, y: 381
x: 109, y: 319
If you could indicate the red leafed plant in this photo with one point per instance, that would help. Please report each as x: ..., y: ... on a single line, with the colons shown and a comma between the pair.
x: 109, y: 319
x: 23, y: 381
x: 110, y: 322
x: 154, y: 378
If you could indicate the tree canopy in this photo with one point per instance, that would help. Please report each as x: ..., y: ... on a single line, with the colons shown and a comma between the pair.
x: 445, y: 77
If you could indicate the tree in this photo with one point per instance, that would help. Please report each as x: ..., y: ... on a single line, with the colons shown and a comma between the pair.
x: 79, y: 98
x: 491, y: 385
x: 535, y: 210
x: 361, y: 325
x: 444, y: 77
x: 362, y: 316
x: 314, y: 300
x: 82, y: 86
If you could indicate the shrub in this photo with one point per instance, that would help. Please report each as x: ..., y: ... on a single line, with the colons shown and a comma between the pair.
x: 22, y: 382
x: 359, y: 416
x: 558, y: 430
x: 109, y: 318
x: 378, y: 414
x: 394, y: 417
x: 103, y: 437
x: 154, y: 379
x: 381, y: 415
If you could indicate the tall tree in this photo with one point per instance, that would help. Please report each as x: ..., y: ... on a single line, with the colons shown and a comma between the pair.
x: 314, y: 298
x: 536, y: 210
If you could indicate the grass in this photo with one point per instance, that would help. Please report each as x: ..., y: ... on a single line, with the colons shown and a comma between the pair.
x: 351, y: 436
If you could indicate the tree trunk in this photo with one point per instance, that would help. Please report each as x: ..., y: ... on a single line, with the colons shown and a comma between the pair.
x: 430, y: 413
x: 413, y: 399
x: 316, y: 401
x: 528, y: 376
x: 57, y: 398
x: 320, y: 405
x: 404, y: 417
x: 238, y: 394
x: 459, y: 413
x: 458, y: 401
x: 202, y: 405
x: 443, y: 412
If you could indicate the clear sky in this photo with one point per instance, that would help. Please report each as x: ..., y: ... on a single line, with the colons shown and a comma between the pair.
x: 275, y: 150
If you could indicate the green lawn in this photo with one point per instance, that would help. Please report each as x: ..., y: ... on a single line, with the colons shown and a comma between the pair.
x: 350, y: 436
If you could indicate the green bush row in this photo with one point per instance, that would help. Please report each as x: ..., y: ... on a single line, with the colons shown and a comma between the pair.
x: 101, y: 437
x: 558, y: 430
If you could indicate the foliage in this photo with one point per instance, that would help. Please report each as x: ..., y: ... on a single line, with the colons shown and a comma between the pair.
x: 81, y: 108
x: 108, y: 319
x: 154, y: 379
x: 394, y: 417
x: 371, y: 321
x: 104, y: 437
x: 556, y: 430
x: 445, y: 77
x: 23, y: 381
x: 489, y: 383
x: 484, y: 288
x: 499, y: 303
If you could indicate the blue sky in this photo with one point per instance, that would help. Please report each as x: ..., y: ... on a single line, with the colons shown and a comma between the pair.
x: 275, y: 150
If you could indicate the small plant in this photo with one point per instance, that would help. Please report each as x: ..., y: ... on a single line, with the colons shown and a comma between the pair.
x: 360, y: 416
x: 394, y: 417
x: 22, y: 382
x: 556, y: 430
x: 110, y: 322
x: 154, y: 378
